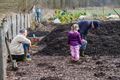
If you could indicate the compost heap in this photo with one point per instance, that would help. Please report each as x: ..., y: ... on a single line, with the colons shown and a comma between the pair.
x: 104, y: 40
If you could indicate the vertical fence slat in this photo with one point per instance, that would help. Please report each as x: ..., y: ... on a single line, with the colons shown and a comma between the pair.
x: 2, y: 55
x: 24, y: 21
x: 11, y: 27
x: 27, y: 20
x: 9, y: 30
x: 20, y: 21
x: 16, y: 24
x: 22, y: 17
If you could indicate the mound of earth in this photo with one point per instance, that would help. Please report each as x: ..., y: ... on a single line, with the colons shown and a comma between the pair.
x: 56, y: 41
x: 104, y: 40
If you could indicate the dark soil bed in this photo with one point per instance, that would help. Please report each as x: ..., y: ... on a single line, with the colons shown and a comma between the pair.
x: 53, y: 62
x: 104, y: 40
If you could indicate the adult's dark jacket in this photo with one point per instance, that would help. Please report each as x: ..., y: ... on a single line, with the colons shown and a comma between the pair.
x: 86, y: 25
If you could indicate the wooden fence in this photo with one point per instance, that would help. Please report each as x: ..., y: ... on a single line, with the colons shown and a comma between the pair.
x: 9, y: 28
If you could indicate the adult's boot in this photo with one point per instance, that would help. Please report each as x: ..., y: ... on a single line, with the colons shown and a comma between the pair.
x: 82, y: 54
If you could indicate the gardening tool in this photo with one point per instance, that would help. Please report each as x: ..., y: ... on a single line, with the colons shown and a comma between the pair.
x: 116, y: 12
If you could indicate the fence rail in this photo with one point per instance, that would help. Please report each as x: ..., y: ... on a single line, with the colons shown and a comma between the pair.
x: 9, y: 28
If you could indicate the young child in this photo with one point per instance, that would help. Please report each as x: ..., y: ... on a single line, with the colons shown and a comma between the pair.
x: 74, y: 40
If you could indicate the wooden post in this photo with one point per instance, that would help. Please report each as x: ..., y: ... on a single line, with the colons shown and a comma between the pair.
x: 16, y: 24
x: 20, y: 21
x: 9, y: 32
x: 11, y: 26
x: 2, y: 55
x: 24, y: 21
x: 27, y: 20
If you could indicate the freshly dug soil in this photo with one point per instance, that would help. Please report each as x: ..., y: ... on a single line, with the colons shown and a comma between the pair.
x: 43, y: 67
x: 104, y: 40
x: 56, y: 41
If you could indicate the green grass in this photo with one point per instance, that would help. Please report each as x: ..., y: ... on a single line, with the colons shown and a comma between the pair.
x: 99, y: 12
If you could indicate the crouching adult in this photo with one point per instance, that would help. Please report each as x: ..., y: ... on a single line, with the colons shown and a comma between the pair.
x: 19, y: 46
